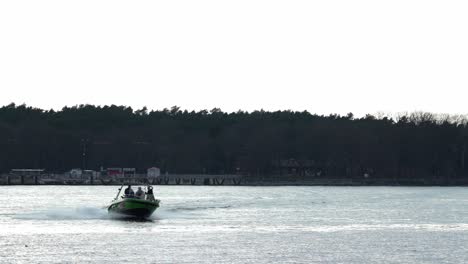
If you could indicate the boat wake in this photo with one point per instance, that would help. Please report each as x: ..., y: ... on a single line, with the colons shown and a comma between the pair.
x: 81, y: 213
x: 197, y: 208
x: 97, y: 213
x: 184, y: 212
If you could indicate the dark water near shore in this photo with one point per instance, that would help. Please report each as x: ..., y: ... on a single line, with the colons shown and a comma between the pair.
x: 206, y: 224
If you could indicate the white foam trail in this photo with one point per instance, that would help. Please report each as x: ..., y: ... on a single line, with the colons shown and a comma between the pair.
x: 183, y: 212
x: 81, y: 213
x: 90, y: 213
x: 164, y: 214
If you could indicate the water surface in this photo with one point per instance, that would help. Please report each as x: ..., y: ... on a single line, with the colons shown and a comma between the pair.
x: 224, y: 224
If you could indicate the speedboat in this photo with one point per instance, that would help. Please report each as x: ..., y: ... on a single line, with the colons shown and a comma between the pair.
x: 132, y: 206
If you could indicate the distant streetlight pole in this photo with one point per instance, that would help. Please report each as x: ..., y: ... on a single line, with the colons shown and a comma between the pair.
x: 83, y: 142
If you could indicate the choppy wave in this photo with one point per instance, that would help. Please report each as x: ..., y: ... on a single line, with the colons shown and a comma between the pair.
x: 366, y: 228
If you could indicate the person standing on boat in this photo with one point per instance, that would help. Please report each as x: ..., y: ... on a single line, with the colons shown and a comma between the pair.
x: 129, y: 191
x: 140, y: 194
x: 149, y: 194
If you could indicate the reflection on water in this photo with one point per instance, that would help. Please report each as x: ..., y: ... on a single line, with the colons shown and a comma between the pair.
x: 129, y: 219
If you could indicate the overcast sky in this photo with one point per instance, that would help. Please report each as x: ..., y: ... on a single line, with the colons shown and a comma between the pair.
x: 325, y: 56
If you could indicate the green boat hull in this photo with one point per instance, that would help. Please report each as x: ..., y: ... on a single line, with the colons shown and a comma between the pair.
x: 133, y: 207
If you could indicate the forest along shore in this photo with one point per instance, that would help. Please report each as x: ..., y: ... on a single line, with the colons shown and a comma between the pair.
x: 266, y: 147
x: 224, y: 179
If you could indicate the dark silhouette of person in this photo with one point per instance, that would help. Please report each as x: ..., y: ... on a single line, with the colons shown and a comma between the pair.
x: 150, y: 190
x: 149, y: 193
x: 129, y: 191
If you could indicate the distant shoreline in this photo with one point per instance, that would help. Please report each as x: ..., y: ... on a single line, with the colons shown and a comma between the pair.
x: 225, y: 180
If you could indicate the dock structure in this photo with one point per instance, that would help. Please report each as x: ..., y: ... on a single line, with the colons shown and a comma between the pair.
x: 38, y: 177
x: 24, y: 176
x: 198, y: 179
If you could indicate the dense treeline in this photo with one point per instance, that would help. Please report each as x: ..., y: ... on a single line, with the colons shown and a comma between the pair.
x: 257, y: 143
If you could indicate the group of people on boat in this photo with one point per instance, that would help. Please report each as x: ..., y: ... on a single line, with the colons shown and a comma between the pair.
x: 139, y: 194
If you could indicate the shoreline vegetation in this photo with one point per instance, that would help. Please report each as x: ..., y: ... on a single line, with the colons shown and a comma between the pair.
x: 264, y: 148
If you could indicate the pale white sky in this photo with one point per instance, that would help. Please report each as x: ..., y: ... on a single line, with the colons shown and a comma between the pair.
x: 326, y: 56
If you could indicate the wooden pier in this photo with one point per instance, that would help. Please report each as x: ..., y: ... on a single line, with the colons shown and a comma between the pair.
x: 136, y: 179
x: 198, y: 179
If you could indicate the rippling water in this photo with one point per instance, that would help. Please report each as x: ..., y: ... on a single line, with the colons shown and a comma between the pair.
x: 217, y: 224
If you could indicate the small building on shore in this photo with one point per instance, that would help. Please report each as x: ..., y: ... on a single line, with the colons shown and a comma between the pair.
x: 119, y: 173
x: 128, y: 172
x: 153, y: 172
x: 75, y: 173
x: 296, y: 167
x: 113, y: 172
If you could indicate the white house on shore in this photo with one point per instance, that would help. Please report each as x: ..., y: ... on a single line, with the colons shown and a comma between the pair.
x: 153, y: 172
